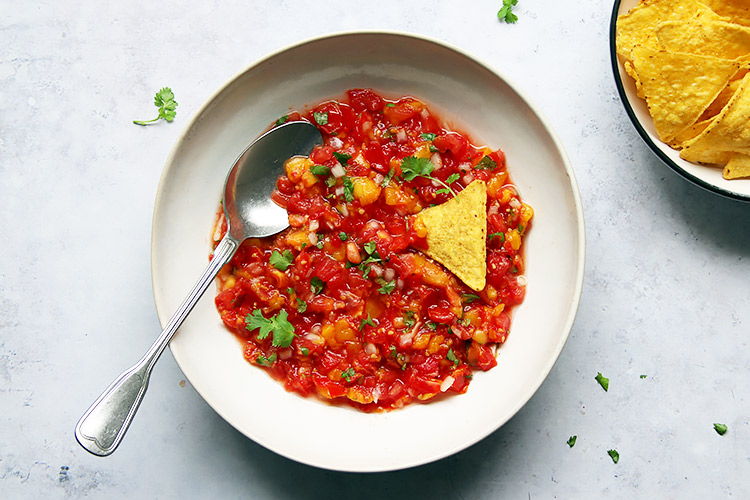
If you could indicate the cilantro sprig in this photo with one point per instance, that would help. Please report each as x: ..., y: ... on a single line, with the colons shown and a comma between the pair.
x: 283, y: 330
x: 281, y: 261
x: 164, y: 101
x: 413, y: 167
x: 506, y: 12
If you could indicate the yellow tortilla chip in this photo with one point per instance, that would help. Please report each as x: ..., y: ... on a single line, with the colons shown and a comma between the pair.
x: 679, y: 87
x: 457, y: 234
x: 737, y: 167
x: 721, y: 100
x: 728, y: 133
x: 704, y: 37
x: 690, y: 133
x: 631, y: 71
x: 638, y: 26
x: 738, y: 11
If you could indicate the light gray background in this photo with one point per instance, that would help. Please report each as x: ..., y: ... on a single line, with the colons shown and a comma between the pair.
x: 665, y: 294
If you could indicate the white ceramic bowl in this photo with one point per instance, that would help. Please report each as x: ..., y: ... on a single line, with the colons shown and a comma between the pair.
x: 476, y: 99
x: 707, y: 177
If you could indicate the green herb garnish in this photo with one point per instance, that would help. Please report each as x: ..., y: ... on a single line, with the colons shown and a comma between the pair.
x: 321, y: 117
x: 500, y: 234
x: 613, y: 455
x: 316, y: 285
x: 282, y: 120
x: 281, y: 261
x: 452, y: 357
x: 486, y: 163
x: 387, y: 287
x: 572, y: 441
x: 301, y: 305
x: 505, y: 13
x: 366, y: 321
x: 348, y: 374
x: 164, y: 101
x: 603, y: 381
x: 427, y: 136
x: 342, y: 158
x: 283, y: 330
x: 320, y: 170
x: 413, y: 167
x: 469, y: 297
x: 720, y: 429
x: 409, y: 319
x: 348, y: 188
x: 266, y: 361
x: 304, y: 350
x: 388, y: 177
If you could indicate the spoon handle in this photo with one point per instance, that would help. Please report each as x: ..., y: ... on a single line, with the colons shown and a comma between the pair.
x: 103, y: 425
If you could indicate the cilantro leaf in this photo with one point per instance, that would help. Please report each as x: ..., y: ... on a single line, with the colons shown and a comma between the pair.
x: 282, y: 120
x: 164, y: 101
x: 486, y: 163
x: 427, y: 136
x: 614, y: 455
x: 644, y: 376
x: 316, y: 285
x: 452, y: 357
x: 321, y: 117
x: 469, y: 297
x: 505, y: 13
x: 320, y: 170
x: 720, y: 429
x: 409, y: 320
x: 500, y: 234
x: 301, y: 305
x: 572, y: 441
x: 348, y: 188
x: 603, y: 381
x: 281, y: 261
x: 348, y: 374
x: 283, y: 330
x: 266, y: 361
x: 452, y: 178
x: 343, y: 236
x: 305, y: 351
x: 342, y: 158
x: 387, y: 287
x: 369, y: 247
x: 388, y: 177
x: 413, y: 167
x: 366, y: 321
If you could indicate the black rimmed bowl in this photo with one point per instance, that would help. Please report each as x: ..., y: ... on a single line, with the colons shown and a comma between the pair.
x: 706, y: 177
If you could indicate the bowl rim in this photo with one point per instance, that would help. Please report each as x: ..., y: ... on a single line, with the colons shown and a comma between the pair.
x: 641, y: 130
x: 576, y: 208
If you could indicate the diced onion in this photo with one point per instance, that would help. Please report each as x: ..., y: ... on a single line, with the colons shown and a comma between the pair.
x: 522, y: 280
x: 447, y: 383
x: 389, y: 274
x: 339, y: 190
x: 466, y: 179
x: 314, y: 225
x: 336, y: 142
x: 371, y: 349
x: 285, y: 354
x: 313, y: 237
x: 376, y: 270
x: 493, y: 209
x: 378, y: 179
x: 401, y: 136
x: 437, y: 160
x: 514, y: 203
x: 338, y: 171
x: 344, y: 211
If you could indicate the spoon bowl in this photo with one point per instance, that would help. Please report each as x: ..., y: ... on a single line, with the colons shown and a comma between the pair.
x: 249, y: 212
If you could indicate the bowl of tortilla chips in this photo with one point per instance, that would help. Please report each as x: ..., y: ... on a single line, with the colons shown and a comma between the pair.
x: 682, y: 68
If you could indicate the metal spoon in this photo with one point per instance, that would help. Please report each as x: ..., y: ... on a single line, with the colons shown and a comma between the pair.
x: 249, y: 212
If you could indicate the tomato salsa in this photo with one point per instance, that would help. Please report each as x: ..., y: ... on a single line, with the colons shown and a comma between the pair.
x: 342, y: 304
